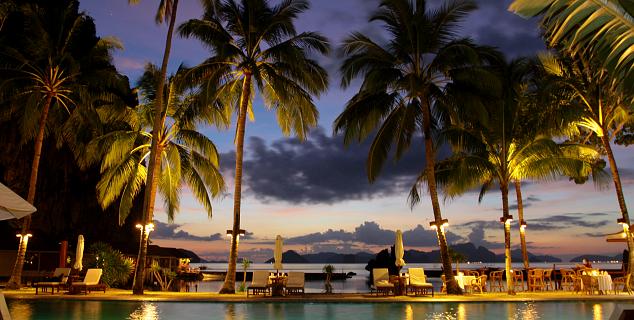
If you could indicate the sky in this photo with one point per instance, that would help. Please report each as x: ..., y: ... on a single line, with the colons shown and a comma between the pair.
x: 316, y: 195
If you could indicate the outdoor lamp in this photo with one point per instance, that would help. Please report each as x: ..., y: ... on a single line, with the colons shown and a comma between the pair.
x: 149, y: 227
x: 621, y: 221
x: 443, y: 224
x: 522, y: 225
x: 506, y: 219
x: 241, y: 232
x: 28, y: 235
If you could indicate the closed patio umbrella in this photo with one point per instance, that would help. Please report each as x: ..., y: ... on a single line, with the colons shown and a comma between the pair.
x: 398, y: 250
x: 12, y: 206
x: 278, y: 253
x: 79, y: 254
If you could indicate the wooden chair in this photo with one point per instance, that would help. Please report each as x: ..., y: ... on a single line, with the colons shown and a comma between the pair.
x: 536, y: 280
x: 548, y: 281
x: 381, y: 281
x: 567, y: 279
x: 518, y: 279
x: 474, y: 273
x: 590, y: 284
x: 623, y: 282
x: 496, y: 281
x: 479, y: 283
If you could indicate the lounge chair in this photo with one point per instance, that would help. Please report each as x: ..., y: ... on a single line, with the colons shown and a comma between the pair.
x: 381, y: 281
x: 90, y: 283
x: 295, y: 282
x: 60, y: 275
x: 418, y: 282
x: 259, y: 283
x: 4, y: 310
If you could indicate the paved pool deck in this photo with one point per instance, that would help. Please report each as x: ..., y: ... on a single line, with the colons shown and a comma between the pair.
x: 126, y: 295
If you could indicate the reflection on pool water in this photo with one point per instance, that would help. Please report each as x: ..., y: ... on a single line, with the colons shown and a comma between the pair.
x: 76, y: 310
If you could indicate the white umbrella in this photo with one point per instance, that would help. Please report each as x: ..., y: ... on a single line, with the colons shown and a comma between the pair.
x: 278, y: 252
x: 79, y: 254
x: 398, y: 249
x: 12, y: 206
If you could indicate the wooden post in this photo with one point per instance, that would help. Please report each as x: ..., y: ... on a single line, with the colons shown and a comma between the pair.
x: 63, y: 248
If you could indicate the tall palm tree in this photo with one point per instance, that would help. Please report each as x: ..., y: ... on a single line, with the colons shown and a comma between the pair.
x: 167, y: 10
x: 188, y: 157
x: 46, y: 78
x: 491, y: 146
x: 402, y: 80
x: 600, y: 106
x: 599, y: 29
x: 256, y: 47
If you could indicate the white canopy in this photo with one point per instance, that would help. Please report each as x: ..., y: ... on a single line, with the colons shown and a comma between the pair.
x: 12, y: 206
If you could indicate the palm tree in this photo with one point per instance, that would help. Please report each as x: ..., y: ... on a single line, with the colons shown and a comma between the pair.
x: 402, y: 82
x: 166, y: 9
x: 187, y: 156
x: 598, y: 29
x: 256, y: 47
x: 600, y: 106
x: 47, y: 77
x: 491, y: 145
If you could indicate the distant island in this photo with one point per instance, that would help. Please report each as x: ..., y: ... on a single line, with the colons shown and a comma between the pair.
x: 470, y: 251
x: 473, y: 254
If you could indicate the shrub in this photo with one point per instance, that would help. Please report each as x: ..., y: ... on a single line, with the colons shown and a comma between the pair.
x: 116, y: 268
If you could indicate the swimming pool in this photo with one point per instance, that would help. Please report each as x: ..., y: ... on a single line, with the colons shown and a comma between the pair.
x: 75, y: 310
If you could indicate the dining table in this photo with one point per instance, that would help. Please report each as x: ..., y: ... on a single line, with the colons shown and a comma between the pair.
x: 463, y: 280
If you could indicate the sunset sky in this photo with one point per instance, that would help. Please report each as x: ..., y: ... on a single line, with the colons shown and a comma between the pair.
x: 316, y: 195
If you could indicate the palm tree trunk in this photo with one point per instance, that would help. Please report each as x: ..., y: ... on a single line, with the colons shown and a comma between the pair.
x: 520, y: 216
x: 452, y: 285
x: 15, y: 282
x: 619, y: 195
x: 507, y: 236
x: 230, y: 279
x: 154, y: 164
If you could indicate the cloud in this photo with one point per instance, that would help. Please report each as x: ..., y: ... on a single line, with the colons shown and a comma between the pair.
x: 320, y: 170
x: 128, y: 64
x: 594, y: 234
x: 169, y: 231
x: 526, y: 202
x: 567, y: 220
x: 477, y: 231
x: 512, y: 34
x: 370, y: 233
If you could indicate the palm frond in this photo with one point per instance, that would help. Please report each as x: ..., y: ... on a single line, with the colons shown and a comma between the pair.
x: 596, y: 28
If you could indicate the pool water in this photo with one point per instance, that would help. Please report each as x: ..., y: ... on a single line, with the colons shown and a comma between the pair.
x: 76, y: 310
